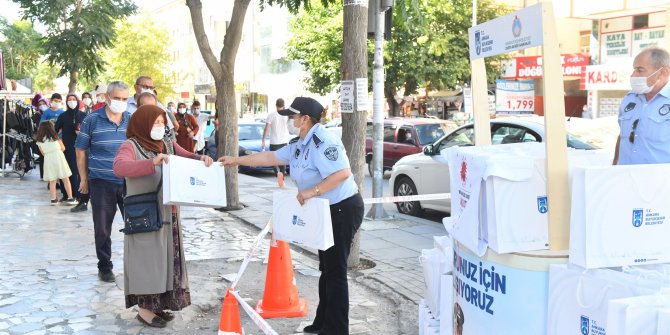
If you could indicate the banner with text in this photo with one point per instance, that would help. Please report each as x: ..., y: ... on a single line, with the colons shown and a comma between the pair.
x: 607, y: 77
x: 527, y: 67
x: 515, y: 31
x: 515, y: 97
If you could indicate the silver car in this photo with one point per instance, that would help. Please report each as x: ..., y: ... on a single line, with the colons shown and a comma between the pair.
x: 428, y: 172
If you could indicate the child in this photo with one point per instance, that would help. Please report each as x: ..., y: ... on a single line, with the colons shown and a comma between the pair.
x: 55, y: 165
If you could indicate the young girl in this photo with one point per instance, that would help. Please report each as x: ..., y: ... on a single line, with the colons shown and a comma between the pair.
x: 55, y: 165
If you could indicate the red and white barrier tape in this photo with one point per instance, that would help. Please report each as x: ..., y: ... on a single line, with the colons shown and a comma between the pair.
x: 250, y: 253
x: 420, y: 197
x: 257, y: 319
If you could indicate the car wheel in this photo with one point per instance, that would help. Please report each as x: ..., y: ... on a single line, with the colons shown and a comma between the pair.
x: 403, y: 187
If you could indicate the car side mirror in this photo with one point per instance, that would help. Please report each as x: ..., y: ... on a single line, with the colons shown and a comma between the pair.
x: 428, y: 150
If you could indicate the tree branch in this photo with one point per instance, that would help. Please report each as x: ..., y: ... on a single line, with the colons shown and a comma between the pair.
x: 195, y: 7
x: 234, y: 33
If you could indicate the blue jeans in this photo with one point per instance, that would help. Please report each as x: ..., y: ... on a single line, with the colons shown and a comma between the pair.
x: 106, y: 196
x: 332, y: 314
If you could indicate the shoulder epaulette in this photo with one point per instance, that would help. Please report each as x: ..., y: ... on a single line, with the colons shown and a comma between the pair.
x: 293, y: 140
x: 317, y: 141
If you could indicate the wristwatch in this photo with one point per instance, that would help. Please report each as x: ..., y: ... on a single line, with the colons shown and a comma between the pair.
x: 317, y: 190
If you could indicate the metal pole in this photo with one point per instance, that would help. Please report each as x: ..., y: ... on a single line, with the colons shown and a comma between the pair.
x: 377, y: 210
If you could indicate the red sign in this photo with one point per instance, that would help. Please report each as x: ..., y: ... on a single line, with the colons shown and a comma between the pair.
x: 531, y: 66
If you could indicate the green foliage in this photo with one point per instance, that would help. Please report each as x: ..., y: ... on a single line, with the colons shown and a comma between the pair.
x: 22, y: 48
x: 141, y: 49
x: 429, y: 45
x: 45, y: 75
x: 77, y: 30
x: 294, y: 5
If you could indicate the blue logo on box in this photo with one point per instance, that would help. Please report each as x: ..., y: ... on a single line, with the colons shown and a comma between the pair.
x: 542, y: 205
x: 585, y: 325
x: 637, y: 217
x: 192, y: 180
x: 296, y: 221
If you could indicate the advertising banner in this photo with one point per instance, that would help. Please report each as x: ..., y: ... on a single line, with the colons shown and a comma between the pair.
x: 608, y: 77
x: 515, y: 97
x: 515, y: 31
x: 527, y: 67
x: 491, y: 298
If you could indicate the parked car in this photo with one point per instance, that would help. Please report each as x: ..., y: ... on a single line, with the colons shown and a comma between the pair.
x: 404, y: 137
x: 428, y: 173
x: 250, y: 136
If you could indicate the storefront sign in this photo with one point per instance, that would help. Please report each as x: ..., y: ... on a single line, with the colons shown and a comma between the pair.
x: 531, y: 66
x: 646, y: 38
x: 615, y: 45
x: 607, y: 77
x: 515, y: 31
x: 515, y: 97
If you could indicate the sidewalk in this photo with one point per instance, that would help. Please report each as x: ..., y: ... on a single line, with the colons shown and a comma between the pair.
x: 394, y: 245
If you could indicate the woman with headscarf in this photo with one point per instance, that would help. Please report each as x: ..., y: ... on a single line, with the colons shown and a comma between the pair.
x: 155, y: 276
x: 67, y: 125
x: 188, y: 128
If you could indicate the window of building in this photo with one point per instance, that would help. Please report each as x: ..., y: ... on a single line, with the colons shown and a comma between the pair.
x: 641, y: 21
x: 585, y: 41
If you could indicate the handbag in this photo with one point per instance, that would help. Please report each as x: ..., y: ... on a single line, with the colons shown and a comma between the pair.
x: 142, y: 212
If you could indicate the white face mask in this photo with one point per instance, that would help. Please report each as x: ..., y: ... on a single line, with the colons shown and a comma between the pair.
x: 87, y: 101
x: 157, y: 133
x: 196, y: 111
x: 43, y: 107
x: 100, y: 99
x: 117, y: 106
x: 639, y: 84
x: 72, y: 104
x: 55, y: 105
x: 171, y: 109
x: 292, y: 128
x: 182, y: 110
x: 146, y: 90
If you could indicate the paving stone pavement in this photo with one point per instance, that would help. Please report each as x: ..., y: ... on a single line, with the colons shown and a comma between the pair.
x: 49, y: 284
x: 394, y: 245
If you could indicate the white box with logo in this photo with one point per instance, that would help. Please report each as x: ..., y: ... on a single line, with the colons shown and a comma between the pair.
x: 188, y: 182
x: 620, y: 215
x: 578, y: 298
x: 309, y: 225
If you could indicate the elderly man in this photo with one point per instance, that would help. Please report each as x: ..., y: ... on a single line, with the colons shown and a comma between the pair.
x: 102, y: 133
x: 142, y: 84
x: 644, y: 114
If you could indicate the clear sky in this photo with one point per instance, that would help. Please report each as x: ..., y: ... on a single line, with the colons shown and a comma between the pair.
x: 10, y: 10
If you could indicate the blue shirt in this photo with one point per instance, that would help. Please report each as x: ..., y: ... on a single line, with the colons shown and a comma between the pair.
x: 649, y: 122
x: 51, y: 115
x: 102, y: 138
x: 316, y: 157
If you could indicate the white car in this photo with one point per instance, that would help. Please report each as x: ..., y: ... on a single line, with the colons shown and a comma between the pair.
x: 428, y: 172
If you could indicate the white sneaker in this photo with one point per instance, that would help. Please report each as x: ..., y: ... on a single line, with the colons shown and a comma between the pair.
x: 71, y: 201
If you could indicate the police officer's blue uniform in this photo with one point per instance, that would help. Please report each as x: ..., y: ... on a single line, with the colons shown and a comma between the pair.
x: 645, y: 128
x: 313, y: 159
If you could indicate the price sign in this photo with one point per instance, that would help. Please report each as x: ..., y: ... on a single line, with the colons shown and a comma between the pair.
x: 515, y: 97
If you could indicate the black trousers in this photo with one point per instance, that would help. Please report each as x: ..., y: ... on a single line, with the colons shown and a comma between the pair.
x: 106, y: 196
x: 332, y: 314
x: 282, y: 168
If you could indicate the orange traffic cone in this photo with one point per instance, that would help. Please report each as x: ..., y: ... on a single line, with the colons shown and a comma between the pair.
x: 230, y: 316
x: 281, y: 299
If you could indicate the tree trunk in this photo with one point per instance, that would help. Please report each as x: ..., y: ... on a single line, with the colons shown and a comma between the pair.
x: 74, y: 77
x: 224, y: 79
x: 355, y: 65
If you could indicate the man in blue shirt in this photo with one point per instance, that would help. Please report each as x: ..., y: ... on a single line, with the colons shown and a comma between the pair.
x: 644, y: 114
x: 142, y: 84
x: 55, y: 110
x: 102, y: 133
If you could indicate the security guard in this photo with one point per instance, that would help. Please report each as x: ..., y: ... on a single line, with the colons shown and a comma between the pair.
x: 320, y: 168
x: 644, y: 114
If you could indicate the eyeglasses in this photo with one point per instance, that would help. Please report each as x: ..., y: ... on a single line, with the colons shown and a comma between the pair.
x: 631, y: 137
x: 145, y: 86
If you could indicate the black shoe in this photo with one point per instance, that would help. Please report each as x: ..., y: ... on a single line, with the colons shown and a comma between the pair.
x: 311, y: 329
x: 63, y: 199
x: 165, y: 315
x: 107, y: 276
x: 81, y: 207
x: 156, y: 322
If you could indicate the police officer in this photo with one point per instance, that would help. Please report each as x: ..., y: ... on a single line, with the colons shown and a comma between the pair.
x: 644, y: 114
x: 320, y: 168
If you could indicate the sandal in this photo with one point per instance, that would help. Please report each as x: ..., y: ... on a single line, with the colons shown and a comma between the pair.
x: 165, y: 315
x: 156, y: 322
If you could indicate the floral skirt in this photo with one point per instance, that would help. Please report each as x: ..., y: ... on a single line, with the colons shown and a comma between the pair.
x: 173, y: 300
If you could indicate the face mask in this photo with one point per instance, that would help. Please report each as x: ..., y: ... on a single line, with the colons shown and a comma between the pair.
x: 100, y: 99
x: 117, y: 106
x: 171, y: 109
x: 55, y: 105
x: 43, y: 107
x: 182, y: 110
x: 87, y: 101
x: 292, y: 128
x: 72, y: 104
x: 196, y: 111
x: 639, y: 84
x: 157, y: 133
x: 146, y: 90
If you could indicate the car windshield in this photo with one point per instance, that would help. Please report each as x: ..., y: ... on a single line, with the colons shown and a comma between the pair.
x: 251, y: 132
x: 431, y: 132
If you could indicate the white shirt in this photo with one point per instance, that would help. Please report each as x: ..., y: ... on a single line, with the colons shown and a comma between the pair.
x: 201, y: 119
x: 278, y: 128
